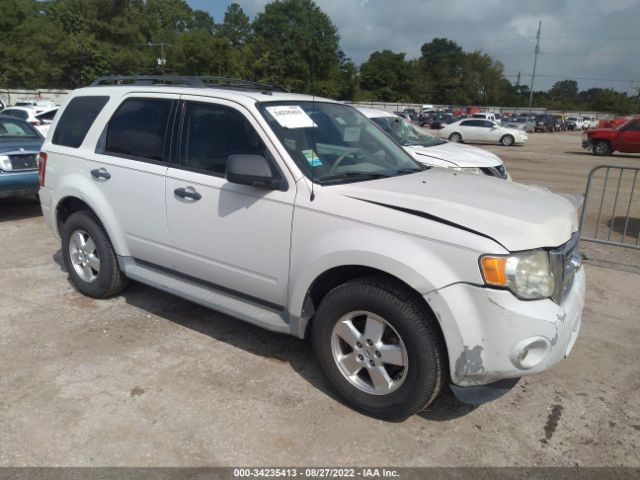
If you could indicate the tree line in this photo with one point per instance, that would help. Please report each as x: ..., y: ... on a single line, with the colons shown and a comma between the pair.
x: 291, y: 43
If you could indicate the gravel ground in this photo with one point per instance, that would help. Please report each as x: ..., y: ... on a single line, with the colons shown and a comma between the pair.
x: 147, y: 379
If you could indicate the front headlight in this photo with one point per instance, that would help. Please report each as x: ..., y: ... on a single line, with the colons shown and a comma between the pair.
x: 5, y: 163
x: 527, y: 274
x: 468, y: 169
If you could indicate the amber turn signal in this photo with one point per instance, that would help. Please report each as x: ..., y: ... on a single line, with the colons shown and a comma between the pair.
x: 494, y: 270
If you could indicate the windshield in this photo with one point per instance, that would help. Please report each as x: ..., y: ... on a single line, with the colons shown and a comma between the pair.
x: 333, y: 143
x: 405, y: 134
x: 13, y: 128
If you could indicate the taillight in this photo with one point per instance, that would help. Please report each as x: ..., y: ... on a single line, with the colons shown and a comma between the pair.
x: 42, y: 166
x: 35, y: 122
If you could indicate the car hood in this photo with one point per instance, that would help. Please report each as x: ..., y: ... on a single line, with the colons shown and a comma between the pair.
x: 603, y: 132
x: 512, y: 130
x: 519, y: 217
x: 455, y: 154
x: 14, y: 145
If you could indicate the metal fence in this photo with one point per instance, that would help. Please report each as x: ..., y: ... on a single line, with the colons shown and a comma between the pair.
x: 611, y: 209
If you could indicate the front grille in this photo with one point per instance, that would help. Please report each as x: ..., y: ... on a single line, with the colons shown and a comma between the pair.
x: 565, y: 260
x: 27, y: 161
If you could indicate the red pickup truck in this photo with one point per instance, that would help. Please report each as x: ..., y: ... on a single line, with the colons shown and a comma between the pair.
x: 605, y: 141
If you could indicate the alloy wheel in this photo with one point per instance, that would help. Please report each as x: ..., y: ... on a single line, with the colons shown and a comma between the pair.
x: 84, y: 256
x: 369, y: 352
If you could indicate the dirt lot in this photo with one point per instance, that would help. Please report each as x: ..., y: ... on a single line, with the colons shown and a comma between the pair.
x: 148, y: 379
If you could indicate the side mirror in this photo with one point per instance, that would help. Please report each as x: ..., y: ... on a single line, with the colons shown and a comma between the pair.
x: 252, y: 170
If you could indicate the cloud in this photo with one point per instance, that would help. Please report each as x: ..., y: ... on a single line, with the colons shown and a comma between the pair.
x: 579, y: 40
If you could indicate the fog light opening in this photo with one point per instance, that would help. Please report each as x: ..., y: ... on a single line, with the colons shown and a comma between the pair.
x: 529, y: 352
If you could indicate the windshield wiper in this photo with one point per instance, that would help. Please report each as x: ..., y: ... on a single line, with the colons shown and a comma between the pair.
x: 352, y: 176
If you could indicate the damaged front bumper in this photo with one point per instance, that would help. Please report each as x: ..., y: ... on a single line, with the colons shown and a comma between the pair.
x: 492, y: 335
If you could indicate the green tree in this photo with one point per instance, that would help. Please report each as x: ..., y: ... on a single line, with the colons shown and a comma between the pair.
x: 235, y: 27
x: 166, y: 19
x: 442, y: 62
x: 295, y: 44
x: 387, y: 76
x: 199, y: 53
x: 564, y: 92
x: 481, y: 76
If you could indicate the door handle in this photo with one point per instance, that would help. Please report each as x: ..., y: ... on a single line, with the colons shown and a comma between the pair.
x: 100, y: 174
x: 188, y: 192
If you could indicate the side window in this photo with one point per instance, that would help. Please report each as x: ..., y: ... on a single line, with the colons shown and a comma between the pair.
x: 468, y: 123
x: 211, y: 133
x: 634, y: 126
x: 487, y: 124
x: 138, y: 129
x: 76, y: 120
x: 17, y: 113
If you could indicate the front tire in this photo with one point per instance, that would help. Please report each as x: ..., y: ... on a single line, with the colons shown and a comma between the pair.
x: 507, y: 140
x: 601, y: 148
x: 90, y: 258
x: 455, y: 137
x: 379, y: 348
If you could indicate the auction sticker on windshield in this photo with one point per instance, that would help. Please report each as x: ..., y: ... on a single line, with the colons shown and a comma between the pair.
x: 291, y: 116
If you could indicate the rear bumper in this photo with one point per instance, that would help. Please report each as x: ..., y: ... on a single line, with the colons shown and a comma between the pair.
x: 491, y: 335
x: 18, y: 183
x: 46, y: 199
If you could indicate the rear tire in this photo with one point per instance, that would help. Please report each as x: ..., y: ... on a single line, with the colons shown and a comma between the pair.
x: 379, y: 347
x: 455, y: 137
x: 602, y: 148
x: 90, y: 258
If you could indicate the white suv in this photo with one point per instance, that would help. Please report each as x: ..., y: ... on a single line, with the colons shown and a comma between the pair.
x: 300, y: 215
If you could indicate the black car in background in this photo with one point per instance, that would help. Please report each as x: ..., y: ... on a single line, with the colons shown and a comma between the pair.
x: 544, y: 123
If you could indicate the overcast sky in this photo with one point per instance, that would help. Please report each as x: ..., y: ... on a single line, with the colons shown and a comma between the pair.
x: 595, y: 42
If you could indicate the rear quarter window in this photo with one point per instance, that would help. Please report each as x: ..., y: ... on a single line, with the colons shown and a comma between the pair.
x: 76, y: 120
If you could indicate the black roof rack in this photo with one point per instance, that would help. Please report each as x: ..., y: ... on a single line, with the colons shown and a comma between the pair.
x: 187, y: 81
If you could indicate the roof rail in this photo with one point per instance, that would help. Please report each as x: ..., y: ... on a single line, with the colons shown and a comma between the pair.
x: 189, y: 81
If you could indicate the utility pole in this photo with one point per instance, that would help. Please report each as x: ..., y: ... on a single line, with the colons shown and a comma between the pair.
x: 535, y: 62
x: 518, y: 81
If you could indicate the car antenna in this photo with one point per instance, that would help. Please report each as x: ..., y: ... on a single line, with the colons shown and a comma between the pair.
x: 312, y: 196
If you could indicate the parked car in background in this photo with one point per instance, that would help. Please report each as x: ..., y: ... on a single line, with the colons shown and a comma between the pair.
x: 440, y: 121
x: 409, y: 117
x: 560, y: 123
x: 36, y: 104
x: 520, y: 123
x: 589, y: 121
x: 485, y: 116
x: 544, y: 123
x: 605, y: 141
x: 19, y: 146
x: 46, y: 119
x: 27, y: 114
x: 433, y: 151
x: 2, y: 105
x: 574, y: 123
x: 482, y: 131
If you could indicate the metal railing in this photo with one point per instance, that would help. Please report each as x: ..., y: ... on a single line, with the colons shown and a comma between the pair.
x: 615, y: 218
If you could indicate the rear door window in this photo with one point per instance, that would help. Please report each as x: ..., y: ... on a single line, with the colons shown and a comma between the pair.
x: 76, y: 120
x: 139, y: 130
